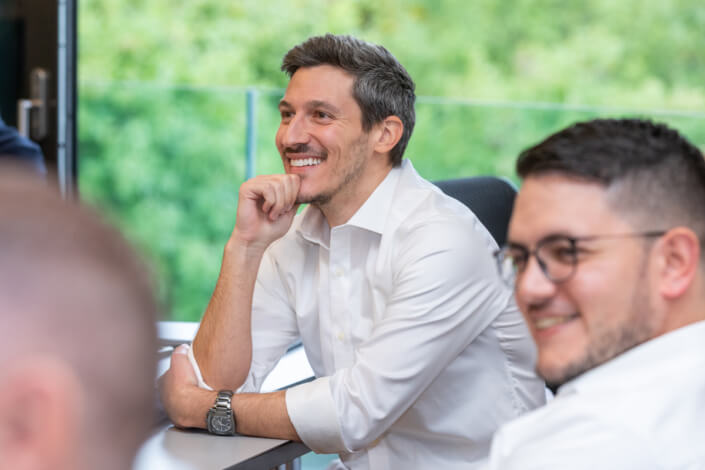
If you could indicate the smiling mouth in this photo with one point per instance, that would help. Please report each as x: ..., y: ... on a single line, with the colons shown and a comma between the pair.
x: 548, y: 322
x: 298, y: 162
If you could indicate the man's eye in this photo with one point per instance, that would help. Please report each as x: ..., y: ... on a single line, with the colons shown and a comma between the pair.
x: 519, y: 263
x: 286, y: 114
x: 322, y: 115
x: 518, y: 260
x: 562, y: 254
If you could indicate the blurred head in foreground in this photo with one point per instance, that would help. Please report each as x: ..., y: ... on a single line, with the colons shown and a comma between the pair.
x: 606, y: 241
x: 77, y: 353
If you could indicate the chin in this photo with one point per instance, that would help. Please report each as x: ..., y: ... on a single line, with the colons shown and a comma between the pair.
x: 316, y: 199
x: 305, y: 199
x: 553, y: 379
x: 556, y: 373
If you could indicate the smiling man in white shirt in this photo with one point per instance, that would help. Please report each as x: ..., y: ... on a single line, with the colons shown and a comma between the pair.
x: 418, y: 349
x: 605, y: 250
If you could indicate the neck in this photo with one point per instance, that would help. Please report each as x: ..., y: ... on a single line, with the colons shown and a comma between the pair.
x: 687, y: 309
x: 348, y: 201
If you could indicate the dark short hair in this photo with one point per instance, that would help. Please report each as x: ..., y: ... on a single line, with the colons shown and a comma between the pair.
x: 652, y: 171
x: 382, y: 87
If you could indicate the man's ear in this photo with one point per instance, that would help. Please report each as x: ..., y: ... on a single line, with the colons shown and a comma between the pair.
x: 389, y: 133
x: 679, y: 251
x: 39, y: 416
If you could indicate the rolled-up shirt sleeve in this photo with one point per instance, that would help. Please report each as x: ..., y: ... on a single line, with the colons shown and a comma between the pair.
x: 314, y: 415
x: 444, y: 294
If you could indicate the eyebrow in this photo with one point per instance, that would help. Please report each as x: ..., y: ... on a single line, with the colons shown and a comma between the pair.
x: 312, y: 105
x: 516, y: 244
x: 513, y: 244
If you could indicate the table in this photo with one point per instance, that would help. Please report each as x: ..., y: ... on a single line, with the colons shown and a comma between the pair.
x: 172, y: 448
x: 178, y: 449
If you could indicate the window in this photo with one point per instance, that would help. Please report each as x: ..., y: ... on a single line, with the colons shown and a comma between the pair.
x: 164, y: 86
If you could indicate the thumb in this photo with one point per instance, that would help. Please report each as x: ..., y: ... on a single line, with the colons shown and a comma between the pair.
x: 181, y: 366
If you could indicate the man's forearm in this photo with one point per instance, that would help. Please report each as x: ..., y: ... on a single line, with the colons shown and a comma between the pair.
x: 264, y: 414
x: 256, y: 414
x: 223, y: 345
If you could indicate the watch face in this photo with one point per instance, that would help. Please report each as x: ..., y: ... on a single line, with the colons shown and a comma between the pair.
x: 223, y: 424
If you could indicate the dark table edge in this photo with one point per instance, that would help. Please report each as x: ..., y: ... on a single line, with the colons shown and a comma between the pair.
x: 272, y: 458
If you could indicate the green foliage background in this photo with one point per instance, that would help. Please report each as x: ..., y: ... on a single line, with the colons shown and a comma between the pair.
x: 162, y: 96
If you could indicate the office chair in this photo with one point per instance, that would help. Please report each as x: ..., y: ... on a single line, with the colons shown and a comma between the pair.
x: 489, y: 197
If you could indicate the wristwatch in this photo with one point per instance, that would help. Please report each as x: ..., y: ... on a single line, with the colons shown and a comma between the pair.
x: 220, y: 418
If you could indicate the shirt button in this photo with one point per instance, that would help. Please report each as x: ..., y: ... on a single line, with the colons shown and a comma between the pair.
x: 339, y: 272
x: 341, y: 336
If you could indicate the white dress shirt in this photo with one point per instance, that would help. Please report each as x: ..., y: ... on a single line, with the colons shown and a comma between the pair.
x: 644, y: 410
x: 419, y: 350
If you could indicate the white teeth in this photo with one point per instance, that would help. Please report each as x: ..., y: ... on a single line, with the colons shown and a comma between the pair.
x: 548, y: 322
x: 305, y: 161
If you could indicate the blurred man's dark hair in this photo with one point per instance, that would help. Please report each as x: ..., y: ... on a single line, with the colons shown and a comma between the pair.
x: 649, y: 169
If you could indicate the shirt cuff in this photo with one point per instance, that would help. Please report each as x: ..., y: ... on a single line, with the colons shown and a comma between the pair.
x: 197, y: 370
x: 312, y: 412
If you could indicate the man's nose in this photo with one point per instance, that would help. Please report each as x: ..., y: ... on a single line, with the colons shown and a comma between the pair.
x: 296, y: 131
x: 532, y: 285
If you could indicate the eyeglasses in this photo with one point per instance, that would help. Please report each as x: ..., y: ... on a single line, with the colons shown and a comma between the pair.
x: 557, y: 256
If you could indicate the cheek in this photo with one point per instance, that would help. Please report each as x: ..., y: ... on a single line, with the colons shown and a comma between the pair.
x: 588, y: 292
x: 334, y: 138
x: 278, y: 138
x: 603, y: 296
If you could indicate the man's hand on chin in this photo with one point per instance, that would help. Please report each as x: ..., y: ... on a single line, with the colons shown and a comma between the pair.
x: 186, y: 404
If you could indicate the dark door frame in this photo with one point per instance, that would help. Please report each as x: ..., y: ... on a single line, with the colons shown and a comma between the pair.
x: 42, y: 34
x: 67, y: 83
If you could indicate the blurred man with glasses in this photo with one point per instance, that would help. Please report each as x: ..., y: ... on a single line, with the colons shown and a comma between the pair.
x: 605, y: 254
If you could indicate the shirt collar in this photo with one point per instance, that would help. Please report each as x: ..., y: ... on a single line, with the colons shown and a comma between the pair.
x: 655, y: 354
x: 372, y: 215
x: 313, y: 226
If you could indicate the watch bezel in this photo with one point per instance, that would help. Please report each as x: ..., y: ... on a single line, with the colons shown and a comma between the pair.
x: 214, y: 414
x: 221, y: 409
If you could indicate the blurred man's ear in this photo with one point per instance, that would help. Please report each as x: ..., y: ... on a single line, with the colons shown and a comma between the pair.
x: 679, y: 253
x: 39, y: 416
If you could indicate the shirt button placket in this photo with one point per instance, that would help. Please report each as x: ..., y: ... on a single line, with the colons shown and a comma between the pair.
x: 337, y: 296
x: 340, y: 255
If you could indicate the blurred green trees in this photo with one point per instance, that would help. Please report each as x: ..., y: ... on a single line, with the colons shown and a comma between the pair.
x: 162, y: 96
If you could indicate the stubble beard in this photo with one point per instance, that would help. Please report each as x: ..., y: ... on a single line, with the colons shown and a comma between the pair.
x: 634, y: 330
x: 348, y: 175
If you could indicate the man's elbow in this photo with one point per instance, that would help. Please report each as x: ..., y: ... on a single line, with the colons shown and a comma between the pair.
x: 224, y: 380
x: 361, y: 438
x: 219, y: 374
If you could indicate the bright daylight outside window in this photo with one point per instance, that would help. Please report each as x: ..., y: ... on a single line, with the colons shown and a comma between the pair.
x: 165, y: 128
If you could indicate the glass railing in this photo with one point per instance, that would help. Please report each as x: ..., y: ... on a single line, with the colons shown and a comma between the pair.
x: 165, y: 162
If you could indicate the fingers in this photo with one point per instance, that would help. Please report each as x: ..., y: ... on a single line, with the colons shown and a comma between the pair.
x: 178, y: 390
x: 181, y: 369
x: 289, y: 193
x: 277, y: 193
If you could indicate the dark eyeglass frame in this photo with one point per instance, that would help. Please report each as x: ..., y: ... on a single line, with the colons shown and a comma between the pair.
x: 501, y: 255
